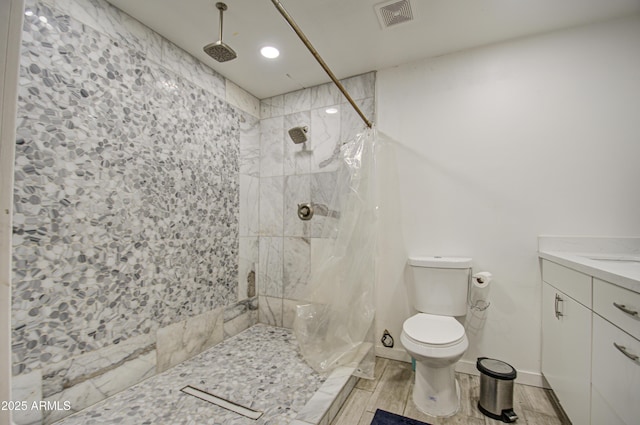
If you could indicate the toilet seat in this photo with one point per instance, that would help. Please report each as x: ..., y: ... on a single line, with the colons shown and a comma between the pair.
x: 433, y: 331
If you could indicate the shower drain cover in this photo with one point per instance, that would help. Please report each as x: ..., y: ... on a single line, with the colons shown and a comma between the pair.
x: 221, y: 402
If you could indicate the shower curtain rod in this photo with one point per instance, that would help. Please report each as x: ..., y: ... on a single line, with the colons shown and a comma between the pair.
x: 322, y: 63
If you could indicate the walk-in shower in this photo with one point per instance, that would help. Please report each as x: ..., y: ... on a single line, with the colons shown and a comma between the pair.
x: 219, y: 50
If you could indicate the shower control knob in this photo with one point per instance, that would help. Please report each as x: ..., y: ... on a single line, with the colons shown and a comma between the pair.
x: 305, y: 211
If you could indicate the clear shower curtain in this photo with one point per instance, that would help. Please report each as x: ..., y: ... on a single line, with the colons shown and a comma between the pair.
x: 334, y: 326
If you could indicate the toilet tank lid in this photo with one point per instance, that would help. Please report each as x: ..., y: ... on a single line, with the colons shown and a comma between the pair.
x: 441, y: 262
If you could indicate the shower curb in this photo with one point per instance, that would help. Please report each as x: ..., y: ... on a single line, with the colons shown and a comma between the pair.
x: 324, y: 405
x: 326, y: 402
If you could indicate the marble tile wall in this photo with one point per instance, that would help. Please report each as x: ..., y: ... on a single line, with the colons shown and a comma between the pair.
x: 291, y: 174
x: 135, y: 215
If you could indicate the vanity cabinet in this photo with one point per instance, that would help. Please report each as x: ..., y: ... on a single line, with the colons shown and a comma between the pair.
x: 566, y: 342
x: 616, y: 354
x: 591, y: 346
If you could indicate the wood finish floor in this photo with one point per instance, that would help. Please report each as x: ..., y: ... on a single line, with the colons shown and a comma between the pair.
x: 392, y: 389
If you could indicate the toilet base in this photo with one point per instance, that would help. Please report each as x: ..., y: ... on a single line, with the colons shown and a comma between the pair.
x: 436, y: 391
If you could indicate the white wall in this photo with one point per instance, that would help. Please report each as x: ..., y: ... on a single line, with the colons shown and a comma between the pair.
x: 10, y: 32
x: 504, y: 143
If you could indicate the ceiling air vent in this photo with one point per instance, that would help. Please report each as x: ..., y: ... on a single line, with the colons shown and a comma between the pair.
x: 394, y: 12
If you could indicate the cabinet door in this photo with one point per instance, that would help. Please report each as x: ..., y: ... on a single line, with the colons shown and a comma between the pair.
x: 616, y: 369
x: 566, y: 352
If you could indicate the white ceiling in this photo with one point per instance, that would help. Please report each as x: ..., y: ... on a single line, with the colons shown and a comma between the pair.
x: 347, y: 34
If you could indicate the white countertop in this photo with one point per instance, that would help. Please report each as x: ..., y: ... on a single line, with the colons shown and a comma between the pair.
x: 612, y: 259
x: 619, y: 269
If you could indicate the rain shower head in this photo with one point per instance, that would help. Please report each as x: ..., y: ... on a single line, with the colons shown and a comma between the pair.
x: 219, y: 50
x: 298, y: 134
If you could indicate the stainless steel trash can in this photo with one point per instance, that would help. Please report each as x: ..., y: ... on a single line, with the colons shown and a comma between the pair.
x: 496, y: 389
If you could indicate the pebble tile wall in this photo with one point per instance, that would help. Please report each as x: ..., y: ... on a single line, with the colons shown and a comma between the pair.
x: 127, y: 194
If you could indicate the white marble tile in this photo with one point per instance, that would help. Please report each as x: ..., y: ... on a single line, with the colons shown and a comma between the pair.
x: 271, y: 206
x: 297, y: 157
x: 240, y: 323
x: 149, y: 40
x: 81, y: 368
x: 95, y: 389
x: 238, y: 309
x: 335, y: 388
x: 270, y: 311
x: 289, y: 310
x: 316, y: 408
x: 277, y: 105
x: 320, y: 251
x: 297, y: 101
x: 242, y: 99
x: 360, y: 86
x: 297, y: 260
x: 249, y: 145
x: 248, y: 267
x: 270, y: 269
x: 249, y: 220
x: 350, y: 122
x: 181, y: 341
x: 272, y: 107
x: 323, y: 196
x: 99, y: 15
x: 27, y: 389
x: 342, y: 396
x: 190, y: 68
x: 325, y: 95
x: 115, y: 23
x: 271, y: 147
x: 326, y: 141
x: 265, y: 108
x: 297, y: 190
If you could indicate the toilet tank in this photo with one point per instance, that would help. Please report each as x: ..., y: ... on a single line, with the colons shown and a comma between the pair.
x: 440, y: 284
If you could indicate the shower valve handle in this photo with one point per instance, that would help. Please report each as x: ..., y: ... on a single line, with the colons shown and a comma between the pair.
x: 305, y: 211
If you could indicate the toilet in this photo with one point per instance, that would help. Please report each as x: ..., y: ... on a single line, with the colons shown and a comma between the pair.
x: 433, y: 337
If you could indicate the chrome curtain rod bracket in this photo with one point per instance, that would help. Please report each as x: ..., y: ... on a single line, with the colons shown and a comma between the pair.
x: 322, y: 63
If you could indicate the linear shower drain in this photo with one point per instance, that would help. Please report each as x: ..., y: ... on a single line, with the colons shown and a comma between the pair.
x: 221, y: 402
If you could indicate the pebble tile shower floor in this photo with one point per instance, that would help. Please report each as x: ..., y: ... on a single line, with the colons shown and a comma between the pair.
x: 260, y: 368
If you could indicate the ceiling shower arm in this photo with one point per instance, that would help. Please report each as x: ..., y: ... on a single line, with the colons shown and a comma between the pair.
x: 220, y: 31
x: 221, y: 8
x: 322, y: 63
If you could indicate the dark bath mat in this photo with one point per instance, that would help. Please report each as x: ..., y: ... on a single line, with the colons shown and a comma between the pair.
x: 382, y: 417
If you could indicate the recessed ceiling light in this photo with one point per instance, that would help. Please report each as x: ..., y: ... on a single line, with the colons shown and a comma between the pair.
x: 331, y: 110
x: 270, y: 52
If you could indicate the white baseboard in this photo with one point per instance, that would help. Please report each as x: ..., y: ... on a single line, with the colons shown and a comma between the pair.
x: 524, y: 377
x: 393, y: 353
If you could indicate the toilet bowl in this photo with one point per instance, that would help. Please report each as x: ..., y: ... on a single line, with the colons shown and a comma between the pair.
x: 436, y: 343
x: 434, y: 337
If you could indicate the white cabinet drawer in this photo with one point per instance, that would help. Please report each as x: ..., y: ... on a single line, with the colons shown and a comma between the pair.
x: 615, y: 376
x: 607, y: 296
x: 571, y: 282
